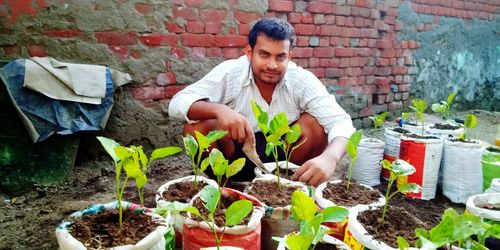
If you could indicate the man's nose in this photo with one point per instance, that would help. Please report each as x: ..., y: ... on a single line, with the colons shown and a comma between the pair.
x: 272, y: 64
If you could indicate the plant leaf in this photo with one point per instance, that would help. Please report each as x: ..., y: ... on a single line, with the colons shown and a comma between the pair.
x: 261, y: 116
x: 409, y: 188
x: 352, y: 150
x: 190, y: 145
x: 470, y: 121
x: 215, y: 135
x: 204, y: 164
x: 402, y: 168
x: 450, y: 98
x: 202, y: 140
x: 293, y: 135
x: 141, y: 180
x: 386, y: 164
x: 402, y: 243
x: 334, y: 214
x: 143, y: 158
x: 298, y: 241
x: 109, y: 145
x: 218, y: 162
x: 303, y: 207
x: 279, y: 125
x: 356, y: 137
x: 237, y: 211
x: 210, y: 196
x: 178, y: 207
x: 163, y: 152
x: 235, y: 167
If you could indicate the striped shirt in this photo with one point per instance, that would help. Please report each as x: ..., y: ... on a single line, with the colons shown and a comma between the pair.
x: 231, y: 83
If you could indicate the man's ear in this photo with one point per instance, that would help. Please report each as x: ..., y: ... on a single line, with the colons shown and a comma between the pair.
x: 290, y: 54
x: 248, y: 52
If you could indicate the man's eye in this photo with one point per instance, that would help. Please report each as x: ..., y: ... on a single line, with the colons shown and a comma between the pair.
x: 263, y: 54
x: 281, y: 57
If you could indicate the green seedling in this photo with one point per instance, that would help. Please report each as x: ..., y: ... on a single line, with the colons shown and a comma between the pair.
x: 467, y: 231
x: 444, y: 107
x: 469, y: 123
x: 135, y: 163
x: 210, y: 196
x: 305, y: 212
x: 419, y: 106
x: 274, y: 132
x: 379, y: 119
x: 398, y: 168
x: 221, y: 167
x: 196, y: 147
x: 352, y: 151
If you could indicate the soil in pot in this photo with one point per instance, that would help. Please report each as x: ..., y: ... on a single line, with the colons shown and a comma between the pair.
x: 267, y: 193
x: 358, y: 194
x: 283, y: 173
x: 219, y: 216
x: 324, y: 246
x: 401, y: 130
x: 444, y: 126
x: 182, y: 191
x: 98, y: 231
x: 493, y: 149
x: 462, y: 140
x: 421, y: 137
x: 398, y: 222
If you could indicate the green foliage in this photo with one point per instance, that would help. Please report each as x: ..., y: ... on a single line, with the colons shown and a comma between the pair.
x: 305, y: 212
x: 195, y: 147
x: 135, y: 163
x: 468, y: 231
x: 210, y: 196
x: 470, y: 122
x: 352, y: 151
x: 398, y: 168
x: 379, y: 119
x: 444, y: 107
x: 274, y: 132
x: 419, y: 107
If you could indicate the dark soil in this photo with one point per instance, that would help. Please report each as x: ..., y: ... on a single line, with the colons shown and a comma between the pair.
x: 102, y: 230
x: 421, y: 137
x: 493, y: 149
x: 262, y: 190
x: 444, y: 126
x: 337, y: 193
x: 401, y: 130
x: 224, y: 203
x: 324, y: 246
x: 182, y: 191
x: 283, y: 173
x: 462, y: 140
x: 398, y: 222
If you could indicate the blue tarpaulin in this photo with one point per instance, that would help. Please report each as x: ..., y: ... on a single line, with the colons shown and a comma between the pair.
x: 44, y: 116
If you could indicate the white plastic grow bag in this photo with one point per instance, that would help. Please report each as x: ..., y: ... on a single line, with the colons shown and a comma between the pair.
x: 476, y: 205
x: 367, y: 168
x: 327, y: 239
x: 462, y: 170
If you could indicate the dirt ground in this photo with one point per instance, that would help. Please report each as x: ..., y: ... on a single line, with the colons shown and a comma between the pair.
x: 30, y: 221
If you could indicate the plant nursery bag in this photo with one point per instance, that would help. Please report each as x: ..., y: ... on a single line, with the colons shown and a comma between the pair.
x: 337, y: 229
x: 153, y: 241
x: 425, y: 156
x: 391, y: 148
x: 443, y: 133
x: 277, y: 221
x: 196, y: 235
x: 367, y: 166
x: 494, y: 186
x: 177, y: 219
x: 491, y: 165
x: 462, y: 170
x: 487, y: 206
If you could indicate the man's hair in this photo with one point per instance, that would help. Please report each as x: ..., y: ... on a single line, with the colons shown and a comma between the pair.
x: 274, y: 28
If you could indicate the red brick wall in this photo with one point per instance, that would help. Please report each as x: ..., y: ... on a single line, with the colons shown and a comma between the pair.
x: 351, y: 45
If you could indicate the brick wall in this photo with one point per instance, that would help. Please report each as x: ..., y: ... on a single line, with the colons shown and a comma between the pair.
x: 353, y: 46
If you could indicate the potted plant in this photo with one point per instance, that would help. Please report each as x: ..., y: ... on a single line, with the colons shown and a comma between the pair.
x: 449, y: 128
x: 455, y: 231
x: 183, y: 189
x: 312, y: 233
x: 279, y: 136
x: 462, y: 170
x: 148, y: 228
x: 346, y: 193
x: 424, y: 152
x: 392, y: 142
x: 368, y: 226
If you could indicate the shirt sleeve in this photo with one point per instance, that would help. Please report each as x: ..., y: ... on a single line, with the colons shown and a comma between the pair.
x: 322, y: 105
x: 212, y: 87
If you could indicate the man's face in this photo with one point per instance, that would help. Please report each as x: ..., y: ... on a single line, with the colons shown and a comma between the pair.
x: 269, y: 59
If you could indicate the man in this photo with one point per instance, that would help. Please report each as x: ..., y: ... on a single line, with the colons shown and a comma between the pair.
x: 222, y: 100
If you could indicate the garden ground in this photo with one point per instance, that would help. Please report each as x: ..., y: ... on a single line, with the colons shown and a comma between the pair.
x: 29, y: 222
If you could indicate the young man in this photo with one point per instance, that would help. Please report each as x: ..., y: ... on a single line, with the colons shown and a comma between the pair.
x: 222, y: 100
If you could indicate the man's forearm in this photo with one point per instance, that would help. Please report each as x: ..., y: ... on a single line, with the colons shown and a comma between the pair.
x: 203, y: 110
x: 336, y: 149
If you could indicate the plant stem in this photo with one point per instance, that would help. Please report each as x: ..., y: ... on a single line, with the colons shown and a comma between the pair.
x: 120, y: 196
x: 387, y: 198
x: 350, y: 173
x: 275, y: 153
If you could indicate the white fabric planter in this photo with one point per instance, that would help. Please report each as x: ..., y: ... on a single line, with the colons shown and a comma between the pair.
x: 494, y: 186
x: 391, y: 148
x: 462, y: 170
x: 271, y: 166
x: 443, y: 133
x: 425, y: 156
x: 153, y: 241
x: 327, y: 239
x: 367, y: 167
x: 323, y: 202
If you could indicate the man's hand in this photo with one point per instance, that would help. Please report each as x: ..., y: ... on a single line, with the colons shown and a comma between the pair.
x: 316, y: 170
x: 237, y: 125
